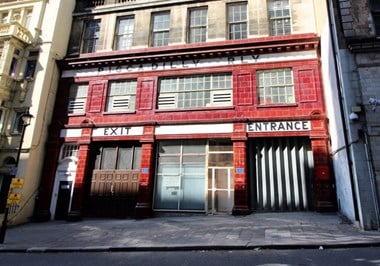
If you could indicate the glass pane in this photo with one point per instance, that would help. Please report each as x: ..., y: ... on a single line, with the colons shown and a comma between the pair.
x: 201, y: 148
x: 167, y: 192
x: 193, y: 159
x: 220, y: 145
x: 125, y: 158
x: 169, y: 148
x: 169, y: 169
x: 223, y: 201
x: 136, y: 158
x: 193, y: 196
x: 221, y: 179
x: 221, y: 159
x: 108, y: 158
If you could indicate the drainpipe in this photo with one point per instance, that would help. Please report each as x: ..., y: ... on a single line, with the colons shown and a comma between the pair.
x: 338, y: 74
x: 370, y: 166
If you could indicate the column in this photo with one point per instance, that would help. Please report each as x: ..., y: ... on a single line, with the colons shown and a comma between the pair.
x: 324, y: 192
x: 75, y: 213
x: 239, y: 139
x: 145, y: 197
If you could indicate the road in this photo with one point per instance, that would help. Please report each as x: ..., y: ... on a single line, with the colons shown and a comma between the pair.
x: 346, y: 257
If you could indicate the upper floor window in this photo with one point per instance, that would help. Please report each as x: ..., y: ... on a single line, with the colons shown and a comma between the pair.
x: 91, y: 36
x: 121, y: 96
x: 28, y: 18
x: 15, y: 63
x: 160, y: 29
x: 16, y: 16
x: 237, y: 21
x: 31, y: 64
x: 124, y: 34
x: 279, y: 17
x: 18, y: 123
x: 4, y: 17
x: 77, y: 98
x: 195, y: 91
x: 197, y: 25
x: 375, y: 8
x: 275, y: 86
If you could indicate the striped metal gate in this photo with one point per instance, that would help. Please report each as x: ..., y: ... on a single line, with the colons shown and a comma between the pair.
x: 282, y: 171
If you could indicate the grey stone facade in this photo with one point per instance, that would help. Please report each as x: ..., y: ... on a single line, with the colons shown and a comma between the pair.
x: 358, y: 43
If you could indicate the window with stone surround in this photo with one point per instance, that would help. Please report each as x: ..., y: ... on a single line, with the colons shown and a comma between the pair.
x: 121, y: 96
x: 197, y: 25
x: 279, y: 17
x: 237, y: 21
x: 31, y: 64
x: 160, y: 29
x: 275, y: 86
x: 124, y: 33
x: 91, y: 34
x: 15, y: 63
x: 195, y: 91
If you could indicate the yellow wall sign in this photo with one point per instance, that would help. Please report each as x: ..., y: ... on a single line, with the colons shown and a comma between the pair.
x: 18, y: 182
x: 14, y: 198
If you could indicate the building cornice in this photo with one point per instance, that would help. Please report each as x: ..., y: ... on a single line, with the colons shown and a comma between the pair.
x: 252, y: 46
x: 363, y: 45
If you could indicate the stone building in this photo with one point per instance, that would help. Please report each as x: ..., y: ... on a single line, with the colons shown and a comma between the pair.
x: 33, y: 35
x: 354, y: 78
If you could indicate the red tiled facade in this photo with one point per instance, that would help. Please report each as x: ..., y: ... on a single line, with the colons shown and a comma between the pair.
x: 308, y: 106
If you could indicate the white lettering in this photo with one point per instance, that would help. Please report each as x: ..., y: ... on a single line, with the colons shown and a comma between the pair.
x: 191, y: 63
x: 279, y: 126
x: 117, y: 131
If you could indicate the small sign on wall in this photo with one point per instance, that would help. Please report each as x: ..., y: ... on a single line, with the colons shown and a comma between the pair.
x: 240, y: 171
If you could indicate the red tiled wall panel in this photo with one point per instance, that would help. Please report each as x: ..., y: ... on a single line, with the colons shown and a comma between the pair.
x: 307, y: 91
x: 96, y: 92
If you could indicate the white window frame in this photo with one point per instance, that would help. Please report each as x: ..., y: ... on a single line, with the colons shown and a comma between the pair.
x: 69, y: 150
x: 279, y: 12
x: 77, y: 103
x: 274, y: 85
x: 195, y: 91
x: 91, y: 34
x: 235, y: 19
x: 197, y: 31
x: 121, y: 96
x: 160, y: 29
x: 124, y: 36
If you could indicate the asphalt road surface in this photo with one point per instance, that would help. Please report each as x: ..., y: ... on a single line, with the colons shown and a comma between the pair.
x: 346, y: 257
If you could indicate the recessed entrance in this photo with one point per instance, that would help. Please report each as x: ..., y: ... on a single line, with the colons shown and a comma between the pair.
x: 281, y: 174
x: 63, y: 200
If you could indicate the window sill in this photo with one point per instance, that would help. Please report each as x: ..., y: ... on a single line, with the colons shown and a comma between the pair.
x: 284, y: 105
x: 118, y: 112
x: 77, y: 114
x: 195, y: 109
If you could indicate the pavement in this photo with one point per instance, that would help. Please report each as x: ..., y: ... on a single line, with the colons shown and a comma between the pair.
x: 191, y: 232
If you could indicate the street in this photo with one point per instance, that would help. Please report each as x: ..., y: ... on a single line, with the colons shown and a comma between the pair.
x: 346, y: 257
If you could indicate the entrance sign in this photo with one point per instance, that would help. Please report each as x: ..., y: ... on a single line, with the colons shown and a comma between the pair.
x: 279, y: 126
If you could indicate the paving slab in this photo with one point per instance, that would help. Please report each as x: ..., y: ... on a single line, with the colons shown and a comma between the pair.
x: 190, y: 232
